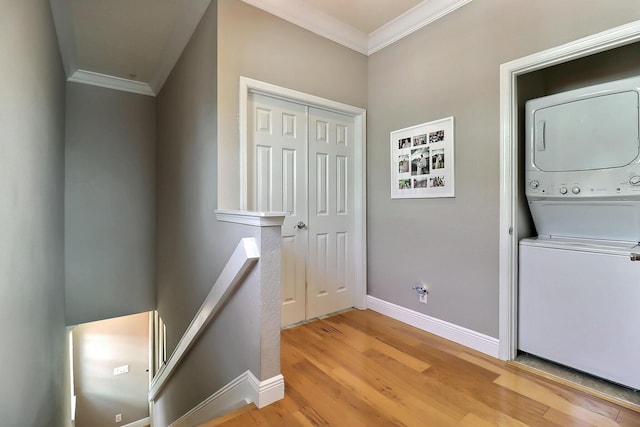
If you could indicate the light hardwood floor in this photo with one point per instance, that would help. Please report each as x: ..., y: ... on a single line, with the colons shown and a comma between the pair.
x: 361, y: 368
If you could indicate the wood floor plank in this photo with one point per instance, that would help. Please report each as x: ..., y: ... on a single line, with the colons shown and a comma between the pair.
x: 494, y: 366
x: 628, y: 418
x: 572, y: 395
x: 473, y: 420
x: 360, y: 368
x: 408, y: 409
x: 391, y: 377
x: 229, y: 416
x: 449, y: 399
x: 563, y: 419
x: 481, y: 396
x: 533, y: 390
x: 335, y: 403
x: 362, y: 342
x: 375, y: 376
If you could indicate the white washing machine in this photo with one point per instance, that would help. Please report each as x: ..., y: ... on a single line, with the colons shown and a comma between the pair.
x: 579, y: 291
x: 579, y: 306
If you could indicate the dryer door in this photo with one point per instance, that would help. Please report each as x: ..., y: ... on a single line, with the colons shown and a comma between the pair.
x: 598, y: 132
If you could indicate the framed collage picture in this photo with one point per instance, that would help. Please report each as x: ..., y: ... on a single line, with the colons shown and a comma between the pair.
x: 422, y: 161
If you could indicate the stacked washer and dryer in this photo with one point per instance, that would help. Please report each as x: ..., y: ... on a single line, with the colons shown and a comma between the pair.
x: 579, y: 287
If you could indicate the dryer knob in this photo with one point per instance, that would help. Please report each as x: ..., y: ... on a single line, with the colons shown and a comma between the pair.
x: 575, y: 190
x: 634, y: 180
x: 563, y: 190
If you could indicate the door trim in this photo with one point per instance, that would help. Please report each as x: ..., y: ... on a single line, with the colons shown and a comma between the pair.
x: 510, y: 193
x: 248, y: 86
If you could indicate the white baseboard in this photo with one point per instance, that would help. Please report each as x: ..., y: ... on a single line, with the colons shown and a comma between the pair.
x: 264, y: 393
x: 242, y: 390
x: 472, y: 339
x: 140, y: 423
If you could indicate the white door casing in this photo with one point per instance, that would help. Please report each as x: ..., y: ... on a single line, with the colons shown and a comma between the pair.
x: 345, y: 124
x: 276, y: 158
x: 509, y: 191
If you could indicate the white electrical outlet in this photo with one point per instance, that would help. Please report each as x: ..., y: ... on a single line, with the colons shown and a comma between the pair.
x: 118, y: 418
x: 423, y: 297
x: 121, y: 370
x: 422, y: 293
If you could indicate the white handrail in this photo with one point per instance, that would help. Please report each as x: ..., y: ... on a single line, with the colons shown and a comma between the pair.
x: 243, y: 258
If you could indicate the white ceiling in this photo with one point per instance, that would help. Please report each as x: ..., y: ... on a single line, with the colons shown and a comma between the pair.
x: 132, y: 45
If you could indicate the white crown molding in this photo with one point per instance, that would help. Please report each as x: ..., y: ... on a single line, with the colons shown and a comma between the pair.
x: 183, y: 29
x: 316, y: 21
x: 110, y: 82
x: 414, y: 19
x: 306, y: 16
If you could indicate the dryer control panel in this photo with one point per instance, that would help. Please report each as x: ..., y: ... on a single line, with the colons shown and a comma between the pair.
x: 608, y: 183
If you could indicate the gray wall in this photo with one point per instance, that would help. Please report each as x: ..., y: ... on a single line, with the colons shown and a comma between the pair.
x: 261, y: 46
x: 618, y: 63
x: 109, y: 203
x: 230, y: 345
x: 193, y: 246
x: 188, y: 257
x: 451, y: 68
x: 34, y: 386
x: 197, y: 124
x: 191, y: 249
x: 98, y: 347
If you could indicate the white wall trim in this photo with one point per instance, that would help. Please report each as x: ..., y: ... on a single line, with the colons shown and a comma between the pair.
x: 257, y: 219
x: 306, y: 16
x: 248, y: 86
x: 110, y: 82
x: 231, y: 396
x: 244, y: 389
x: 140, y: 423
x: 509, y: 191
x: 243, y: 258
x: 266, y: 392
x: 414, y: 19
x: 472, y: 339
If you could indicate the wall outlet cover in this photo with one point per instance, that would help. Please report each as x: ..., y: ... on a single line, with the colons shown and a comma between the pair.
x: 121, y: 370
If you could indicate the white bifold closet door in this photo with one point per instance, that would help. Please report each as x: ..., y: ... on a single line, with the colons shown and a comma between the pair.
x: 300, y: 162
